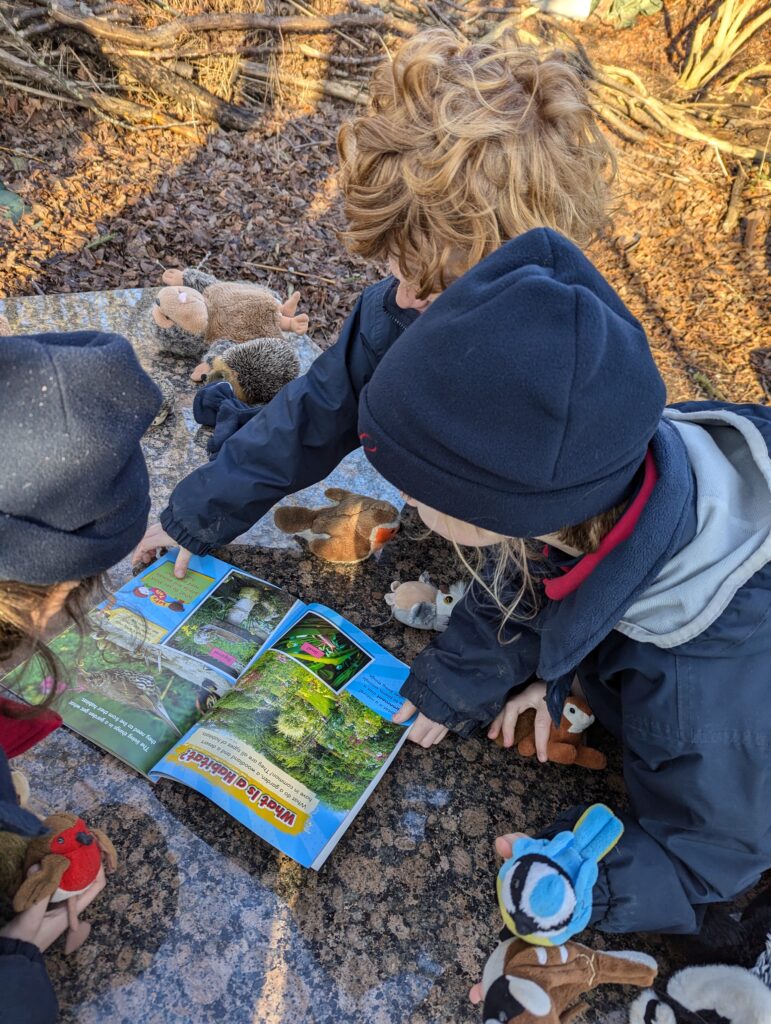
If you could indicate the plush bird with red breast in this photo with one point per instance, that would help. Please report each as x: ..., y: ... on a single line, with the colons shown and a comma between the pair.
x: 69, y: 859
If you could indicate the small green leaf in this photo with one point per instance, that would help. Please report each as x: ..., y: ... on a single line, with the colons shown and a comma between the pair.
x: 11, y: 205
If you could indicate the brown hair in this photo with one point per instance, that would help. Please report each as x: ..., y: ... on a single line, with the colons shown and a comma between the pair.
x: 464, y: 147
x: 20, y: 606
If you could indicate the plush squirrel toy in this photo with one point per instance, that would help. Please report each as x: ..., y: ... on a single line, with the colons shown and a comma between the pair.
x: 198, y: 317
x: 418, y: 603
x: 67, y: 860
x: 350, y: 530
x: 567, y: 743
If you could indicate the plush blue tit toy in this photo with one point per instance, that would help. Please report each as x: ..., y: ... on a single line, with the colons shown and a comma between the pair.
x: 545, y: 887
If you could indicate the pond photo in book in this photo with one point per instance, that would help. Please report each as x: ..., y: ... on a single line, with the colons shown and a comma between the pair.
x: 331, y: 743
x: 233, y: 622
x: 324, y: 649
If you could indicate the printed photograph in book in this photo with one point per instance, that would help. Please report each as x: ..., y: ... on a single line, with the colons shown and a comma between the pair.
x: 324, y: 650
x: 329, y: 742
x: 130, y: 702
x: 232, y: 623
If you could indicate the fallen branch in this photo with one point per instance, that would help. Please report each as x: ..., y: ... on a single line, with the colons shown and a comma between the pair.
x: 312, y: 88
x: 67, y: 14
x: 108, y: 106
x: 165, y: 82
x: 733, y: 212
x: 647, y: 110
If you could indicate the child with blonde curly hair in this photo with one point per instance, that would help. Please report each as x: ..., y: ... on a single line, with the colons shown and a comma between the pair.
x: 464, y: 147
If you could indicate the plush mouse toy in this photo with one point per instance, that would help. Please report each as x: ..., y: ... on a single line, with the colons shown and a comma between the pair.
x: 524, y: 984
x: 567, y: 743
x: 421, y: 605
x: 350, y: 530
x: 69, y: 859
x: 195, y: 309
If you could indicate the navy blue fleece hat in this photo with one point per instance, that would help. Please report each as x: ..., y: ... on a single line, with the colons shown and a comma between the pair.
x: 523, y: 399
x: 73, y: 481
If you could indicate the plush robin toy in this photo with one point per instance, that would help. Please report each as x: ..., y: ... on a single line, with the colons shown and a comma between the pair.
x: 62, y: 864
x: 350, y: 530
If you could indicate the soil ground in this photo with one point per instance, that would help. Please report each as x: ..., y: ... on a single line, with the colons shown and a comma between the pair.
x: 110, y: 208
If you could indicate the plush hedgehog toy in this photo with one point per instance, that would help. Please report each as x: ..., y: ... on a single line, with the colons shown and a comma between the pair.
x: 256, y: 370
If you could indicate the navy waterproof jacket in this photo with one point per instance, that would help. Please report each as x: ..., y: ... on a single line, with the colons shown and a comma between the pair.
x: 670, y: 639
x: 684, y: 687
x: 26, y: 993
x: 297, y: 439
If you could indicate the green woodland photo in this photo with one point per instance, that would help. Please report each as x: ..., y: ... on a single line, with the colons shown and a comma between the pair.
x: 236, y: 619
x: 331, y: 743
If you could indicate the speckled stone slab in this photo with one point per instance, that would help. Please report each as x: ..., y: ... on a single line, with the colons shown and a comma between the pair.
x: 203, y: 923
x: 179, y: 445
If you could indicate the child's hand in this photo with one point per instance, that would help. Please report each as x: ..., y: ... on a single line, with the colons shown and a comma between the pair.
x: 534, y: 696
x: 156, y: 539
x: 423, y: 730
x: 41, y: 926
x: 503, y: 847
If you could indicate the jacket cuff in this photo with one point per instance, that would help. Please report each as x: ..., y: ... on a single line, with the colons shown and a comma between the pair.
x: 18, y: 947
x: 433, y: 707
x: 208, y: 400
x: 181, y: 535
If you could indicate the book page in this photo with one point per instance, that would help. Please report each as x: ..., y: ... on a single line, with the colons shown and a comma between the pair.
x: 306, y: 732
x: 128, y: 689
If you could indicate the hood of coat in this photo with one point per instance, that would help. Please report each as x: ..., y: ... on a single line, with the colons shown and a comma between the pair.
x: 729, y: 456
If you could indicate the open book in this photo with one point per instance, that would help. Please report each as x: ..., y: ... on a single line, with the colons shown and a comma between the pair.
x: 278, y: 711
